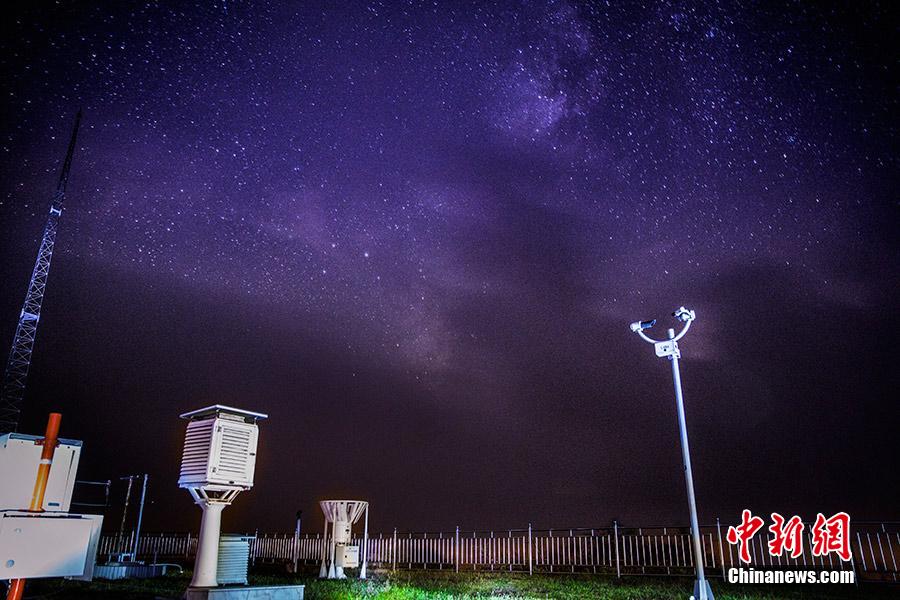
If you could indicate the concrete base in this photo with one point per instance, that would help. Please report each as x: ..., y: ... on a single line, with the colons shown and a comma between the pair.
x: 265, y: 592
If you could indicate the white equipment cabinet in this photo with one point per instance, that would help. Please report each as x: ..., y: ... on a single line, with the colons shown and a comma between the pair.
x: 347, y: 558
x: 339, y: 552
x: 34, y: 545
x: 20, y: 456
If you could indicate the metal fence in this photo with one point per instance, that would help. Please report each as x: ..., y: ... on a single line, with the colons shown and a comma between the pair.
x: 659, y: 551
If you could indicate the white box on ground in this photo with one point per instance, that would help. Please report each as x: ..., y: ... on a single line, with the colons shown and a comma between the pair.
x: 34, y: 545
x: 20, y: 456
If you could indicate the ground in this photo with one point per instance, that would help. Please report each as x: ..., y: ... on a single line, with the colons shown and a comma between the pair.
x: 449, y: 586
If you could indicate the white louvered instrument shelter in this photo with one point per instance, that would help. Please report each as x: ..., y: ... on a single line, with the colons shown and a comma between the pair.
x: 219, y: 449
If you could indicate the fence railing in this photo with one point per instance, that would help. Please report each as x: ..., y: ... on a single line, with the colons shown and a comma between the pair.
x: 660, y: 551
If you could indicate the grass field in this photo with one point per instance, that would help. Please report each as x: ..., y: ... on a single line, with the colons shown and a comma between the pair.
x: 450, y: 586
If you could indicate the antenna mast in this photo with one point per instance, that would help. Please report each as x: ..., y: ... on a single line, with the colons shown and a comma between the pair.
x: 13, y: 392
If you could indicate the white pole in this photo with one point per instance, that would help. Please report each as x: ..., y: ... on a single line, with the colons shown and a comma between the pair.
x: 616, y: 535
x: 456, y: 558
x: 137, y: 534
x: 530, y: 563
x: 702, y: 586
x: 365, y: 548
x: 395, y: 549
x: 206, y: 564
x: 322, y: 570
x: 332, y: 573
x: 297, y: 541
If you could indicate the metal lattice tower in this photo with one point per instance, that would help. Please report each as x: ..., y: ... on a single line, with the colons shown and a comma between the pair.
x: 13, y: 391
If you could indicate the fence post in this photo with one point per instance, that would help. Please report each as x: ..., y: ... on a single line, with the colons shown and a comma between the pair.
x: 491, y: 551
x: 296, y: 550
x: 456, y: 553
x: 395, y: 548
x: 641, y: 556
x: 552, y: 553
x: 530, y: 560
x: 721, y: 552
x: 616, y: 533
x: 254, y: 547
x: 891, y: 548
x: 572, y: 557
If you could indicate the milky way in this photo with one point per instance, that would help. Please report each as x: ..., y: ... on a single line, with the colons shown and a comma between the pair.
x: 415, y: 234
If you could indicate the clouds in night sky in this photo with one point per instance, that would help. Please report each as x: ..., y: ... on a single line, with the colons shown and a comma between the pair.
x: 439, y: 218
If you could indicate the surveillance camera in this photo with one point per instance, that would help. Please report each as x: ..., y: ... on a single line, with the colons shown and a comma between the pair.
x: 684, y: 315
x: 639, y: 325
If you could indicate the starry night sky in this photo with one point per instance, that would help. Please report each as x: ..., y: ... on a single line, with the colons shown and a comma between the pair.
x: 415, y: 235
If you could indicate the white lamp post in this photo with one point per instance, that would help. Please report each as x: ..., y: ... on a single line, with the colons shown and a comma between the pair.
x: 669, y: 349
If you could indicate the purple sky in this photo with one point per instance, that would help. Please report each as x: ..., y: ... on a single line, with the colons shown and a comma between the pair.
x: 415, y: 234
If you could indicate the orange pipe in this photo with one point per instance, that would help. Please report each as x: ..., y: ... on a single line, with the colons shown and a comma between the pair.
x: 16, y: 589
x: 17, y: 586
x: 40, y: 485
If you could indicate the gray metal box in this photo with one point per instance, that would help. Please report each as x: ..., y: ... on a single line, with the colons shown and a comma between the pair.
x: 234, y: 559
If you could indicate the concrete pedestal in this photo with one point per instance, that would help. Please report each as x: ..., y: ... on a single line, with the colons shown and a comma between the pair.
x: 266, y: 592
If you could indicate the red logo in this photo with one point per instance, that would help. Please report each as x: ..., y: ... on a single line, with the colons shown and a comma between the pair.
x: 832, y: 535
x: 828, y: 535
x: 743, y: 533
x: 786, y: 537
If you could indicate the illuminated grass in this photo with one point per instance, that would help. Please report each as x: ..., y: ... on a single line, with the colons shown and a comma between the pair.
x: 470, y: 586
